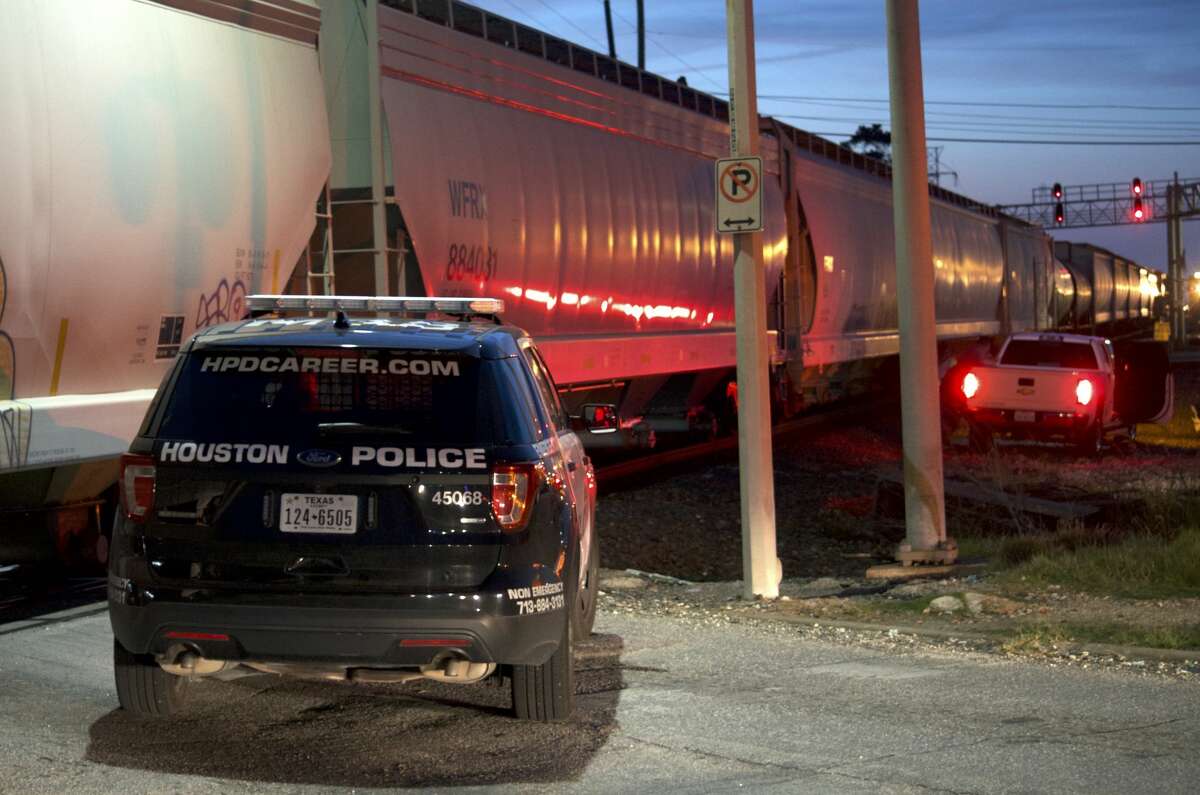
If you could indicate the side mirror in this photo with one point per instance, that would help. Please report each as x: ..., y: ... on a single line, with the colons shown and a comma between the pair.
x: 600, y: 418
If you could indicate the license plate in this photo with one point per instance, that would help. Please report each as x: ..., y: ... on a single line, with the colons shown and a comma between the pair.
x: 318, y: 513
x: 1025, y: 416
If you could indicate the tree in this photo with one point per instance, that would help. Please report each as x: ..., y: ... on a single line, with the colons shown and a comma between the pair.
x: 872, y: 141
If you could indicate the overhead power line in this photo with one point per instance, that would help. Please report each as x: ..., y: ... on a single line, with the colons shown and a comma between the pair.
x: 654, y: 40
x: 1027, y: 141
x: 975, y: 103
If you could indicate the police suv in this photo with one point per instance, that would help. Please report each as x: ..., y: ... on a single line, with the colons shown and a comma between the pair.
x: 366, y: 498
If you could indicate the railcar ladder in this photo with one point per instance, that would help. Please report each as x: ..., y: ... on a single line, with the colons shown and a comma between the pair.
x: 326, y: 274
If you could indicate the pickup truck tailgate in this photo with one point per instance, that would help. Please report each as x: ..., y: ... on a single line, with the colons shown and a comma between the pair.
x: 1026, y: 388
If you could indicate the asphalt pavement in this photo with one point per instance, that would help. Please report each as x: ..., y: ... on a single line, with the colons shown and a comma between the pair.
x: 665, y: 705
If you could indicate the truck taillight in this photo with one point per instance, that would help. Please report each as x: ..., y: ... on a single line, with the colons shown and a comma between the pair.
x: 513, y: 487
x: 137, y: 486
x: 1084, y: 391
x: 970, y: 385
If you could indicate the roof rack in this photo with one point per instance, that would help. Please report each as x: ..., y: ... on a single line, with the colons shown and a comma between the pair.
x: 487, y: 307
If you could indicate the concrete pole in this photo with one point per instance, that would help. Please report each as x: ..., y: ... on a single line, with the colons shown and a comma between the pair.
x: 761, y: 570
x: 924, y: 498
x: 375, y: 109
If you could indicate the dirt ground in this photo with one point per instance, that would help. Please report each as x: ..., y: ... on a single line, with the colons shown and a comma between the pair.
x: 833, y: 523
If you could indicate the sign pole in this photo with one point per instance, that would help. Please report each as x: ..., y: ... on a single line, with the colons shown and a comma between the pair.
x: 761, y: 569
x: 924, y: 488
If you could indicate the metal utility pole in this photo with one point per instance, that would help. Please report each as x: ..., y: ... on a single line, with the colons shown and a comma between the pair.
x: 761, y: 569
x: 641, y: 34
x: 1176, y: 269
x: 375, y: 109
x: 924, y: 489
x: 612, y: 42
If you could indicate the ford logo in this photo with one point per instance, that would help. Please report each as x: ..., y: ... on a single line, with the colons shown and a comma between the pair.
x: 319, y: 458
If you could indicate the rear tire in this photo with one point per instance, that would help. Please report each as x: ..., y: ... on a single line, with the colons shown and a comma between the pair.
x: 980, y: 439
x: 145, y: 689
x: 546, y: 692
x: 586, y: 590
x: 1089, y: 442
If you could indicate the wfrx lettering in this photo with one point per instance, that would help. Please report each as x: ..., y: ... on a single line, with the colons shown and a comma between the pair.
x: 467, y: 199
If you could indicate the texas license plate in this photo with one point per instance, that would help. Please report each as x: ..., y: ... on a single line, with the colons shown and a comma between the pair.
x: 318, y: 513
x: 1025, y: 416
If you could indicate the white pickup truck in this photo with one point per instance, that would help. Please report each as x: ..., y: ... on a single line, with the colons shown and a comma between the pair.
x: 1063, y: 387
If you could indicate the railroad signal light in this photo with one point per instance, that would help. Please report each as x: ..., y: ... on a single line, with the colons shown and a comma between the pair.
x: 1057, y: 190
x: 1060, y: 215
x: 1136, y: 186
x: 1139, y: 211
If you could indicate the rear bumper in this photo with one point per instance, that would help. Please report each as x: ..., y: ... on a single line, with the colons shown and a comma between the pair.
x: 391, y: 630
x: 1043, y: 424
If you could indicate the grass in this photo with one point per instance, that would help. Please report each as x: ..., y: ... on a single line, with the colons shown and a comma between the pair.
x: 1143, y: 566
x: 1165, y: 637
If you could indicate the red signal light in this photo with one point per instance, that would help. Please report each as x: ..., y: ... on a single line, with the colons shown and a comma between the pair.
x: 970, y: 385
x: 1057, y: 190
x: 1139, y: 210
x: 1084, y: 391
x: 1060, y: 216
x: 1136, y: 186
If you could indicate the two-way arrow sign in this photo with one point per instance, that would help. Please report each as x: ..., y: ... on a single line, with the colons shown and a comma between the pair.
x: 739, y: 222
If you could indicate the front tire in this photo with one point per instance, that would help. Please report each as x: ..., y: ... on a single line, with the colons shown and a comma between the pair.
x: 546, y: 692
x: 145, y: 689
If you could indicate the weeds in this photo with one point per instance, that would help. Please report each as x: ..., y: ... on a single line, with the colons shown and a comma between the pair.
x: 1034, y: 639
x: 1138, y: 567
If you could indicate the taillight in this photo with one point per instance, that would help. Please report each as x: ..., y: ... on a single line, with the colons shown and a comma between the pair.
x: 137, y: 486
x: 513, y: 487
x: 970, y: 385
x: 1084, y: 391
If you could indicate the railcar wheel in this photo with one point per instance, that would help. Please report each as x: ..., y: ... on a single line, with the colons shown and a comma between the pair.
x: 145, y: 689
x: 546, y: 692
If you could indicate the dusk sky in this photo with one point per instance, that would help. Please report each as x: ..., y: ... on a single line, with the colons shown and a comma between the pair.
x: 833, y: 56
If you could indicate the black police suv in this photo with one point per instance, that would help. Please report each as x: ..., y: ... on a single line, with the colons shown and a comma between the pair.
x: 368, y: 498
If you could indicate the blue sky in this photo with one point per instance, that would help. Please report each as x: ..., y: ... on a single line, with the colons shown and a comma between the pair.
x: 1078, y: 52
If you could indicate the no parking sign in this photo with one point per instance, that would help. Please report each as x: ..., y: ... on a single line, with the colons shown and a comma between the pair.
x: 739, y: 200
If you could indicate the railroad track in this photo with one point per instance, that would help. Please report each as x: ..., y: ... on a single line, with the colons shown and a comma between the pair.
x: 26, y: 594
x: 668, y: 461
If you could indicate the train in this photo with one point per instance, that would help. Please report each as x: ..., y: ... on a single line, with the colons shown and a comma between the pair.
x: 204, y: 154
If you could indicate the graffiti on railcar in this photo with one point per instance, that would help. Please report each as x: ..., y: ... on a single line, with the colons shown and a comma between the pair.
x: 225, y: 303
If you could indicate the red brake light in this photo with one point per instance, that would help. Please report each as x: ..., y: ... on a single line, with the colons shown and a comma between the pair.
x: 137, y: 486
x: 970, y: 385
x: 1084, y: 391
x: 513, y: 487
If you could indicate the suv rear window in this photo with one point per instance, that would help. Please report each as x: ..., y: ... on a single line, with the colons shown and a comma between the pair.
x: 300, y: 394
x: 1049, y: 353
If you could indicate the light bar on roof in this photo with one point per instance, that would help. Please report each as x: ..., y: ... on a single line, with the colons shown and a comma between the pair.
x: 368, y: 303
